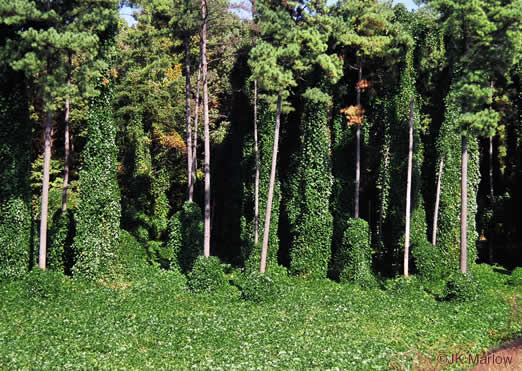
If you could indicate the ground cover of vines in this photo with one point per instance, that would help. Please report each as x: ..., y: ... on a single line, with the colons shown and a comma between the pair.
x: 48, y: 320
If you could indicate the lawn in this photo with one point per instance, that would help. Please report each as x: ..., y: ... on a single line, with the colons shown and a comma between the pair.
x: 51, y: 321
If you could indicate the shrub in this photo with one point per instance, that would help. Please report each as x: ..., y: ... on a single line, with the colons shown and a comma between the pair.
x: 516, y: 277
x: 430, y: 264
x: 489, y: 277
x: 131, y: 255
x: 462, y: 287
x: 354, y: 259
x: 258, y: 287
x: 60, y: 256
x: 185, y: 241
x: 207, y: 276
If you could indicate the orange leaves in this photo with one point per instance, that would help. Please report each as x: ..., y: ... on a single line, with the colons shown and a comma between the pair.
x: 173, y: 141
x: 363, y: 85
x: 354, y: 114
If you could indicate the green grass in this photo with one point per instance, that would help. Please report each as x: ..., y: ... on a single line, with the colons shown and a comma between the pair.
x: 51, y: 321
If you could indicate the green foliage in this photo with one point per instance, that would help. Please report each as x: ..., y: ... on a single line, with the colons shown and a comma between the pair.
x: 41, y: 285
x: 430, y: 263
x: 185, y: 241
x: 207, y: 276
x: 98, y: 212
x: 516, y: 277
x: 313, y: 324
x: 259, y: 287
x: 252, y: 254
x: 462, y: 287
x: 60, y: 255
x: 354, y: 259
x: 131, y: 256
x: 309, y: 206
x: 448, y: 228
x: 409, y: 287
x: 15, y: 191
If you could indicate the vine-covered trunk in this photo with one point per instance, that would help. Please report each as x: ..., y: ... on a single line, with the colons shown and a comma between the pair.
x: 464, y: 206
x: 42, y: 253
x: 408, y: 193
x: 437, y: 202
x: 206, y: 229
x: 256, y: 181
x: 266, y: 231
x: 188, y: 116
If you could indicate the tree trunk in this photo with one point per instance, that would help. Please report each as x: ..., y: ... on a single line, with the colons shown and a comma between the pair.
x: 383, y: 190
x: 188, y: 115
x: 256, y: 183
x: 66, y: 145
x: 464, y: 206
x: 206, y: 231
x: 358, y: 150
x: 196, y: 122
x: 264, y: 249
x: 408, y: 193
x: 437, y: 202
x: 42, y: 254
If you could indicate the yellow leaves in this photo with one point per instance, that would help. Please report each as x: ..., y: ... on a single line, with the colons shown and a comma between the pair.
x: 108, y: 74
x: 174, y: 73
x: 354, y: 114
x: 172, y: 141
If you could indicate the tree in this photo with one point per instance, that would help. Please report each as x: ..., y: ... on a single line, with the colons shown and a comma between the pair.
x: 472, y: 28
x: 99, y: 210
x: 364, y: 26
x: 46, y: 34
x: 295, y: 48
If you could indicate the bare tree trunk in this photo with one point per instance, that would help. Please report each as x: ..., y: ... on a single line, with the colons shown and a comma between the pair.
x: 66, y: 145
x: 408, y: 193
x: 188, y: 116
x: 42, y: 253
x: 464, y: 206
x: 266, y: 232
x: 383, y: 189
x: 196, y: 121
x: 437, y: 202
x: 491, y: 187
x: 358, y: 150
x: 206, y: 230
x: 256, y: 183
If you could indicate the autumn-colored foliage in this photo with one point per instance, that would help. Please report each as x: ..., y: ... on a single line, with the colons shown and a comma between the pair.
x: 363, y: 85
x: 354, y: 114
x: 172, y: 141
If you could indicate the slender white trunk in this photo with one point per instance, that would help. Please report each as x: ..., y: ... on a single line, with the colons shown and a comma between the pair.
x: 67, y: 159
x: 464, y: 206
x: 256, y: 182
x: 383, y: 190
x: 188, y: 116
x: 266, y: 232
x: 437, y: 202
x: 42, y: 253
x: 196, y: 122
x: 206, y: 229
x: 408, y: 194
x: 358, y: 149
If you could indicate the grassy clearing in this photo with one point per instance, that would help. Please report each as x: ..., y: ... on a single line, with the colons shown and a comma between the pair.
x: 51, y: 321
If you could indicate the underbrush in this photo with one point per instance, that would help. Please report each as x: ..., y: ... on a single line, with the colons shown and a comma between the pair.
x: 49, y: 320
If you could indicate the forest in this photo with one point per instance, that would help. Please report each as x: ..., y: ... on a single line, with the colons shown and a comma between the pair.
x: 260, y: 184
